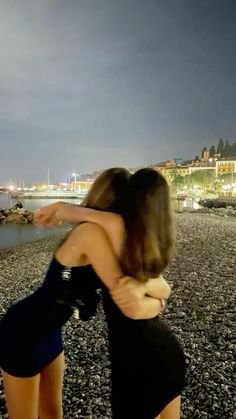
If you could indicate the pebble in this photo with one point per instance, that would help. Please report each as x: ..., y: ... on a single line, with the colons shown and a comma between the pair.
x: 200, y: 311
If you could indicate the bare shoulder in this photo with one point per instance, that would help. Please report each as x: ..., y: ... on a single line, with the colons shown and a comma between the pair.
x: 93, y: 233
x: 88, y: 228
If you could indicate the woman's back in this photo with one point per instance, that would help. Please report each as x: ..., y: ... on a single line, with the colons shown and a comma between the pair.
x: 71, y: 251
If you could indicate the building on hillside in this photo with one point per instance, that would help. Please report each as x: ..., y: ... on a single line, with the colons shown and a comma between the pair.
x: 194, y: 168
x: 225, y: 166
x: 211, y: 162
x: 205, y: 154
x: 170, y: 163
x: 171, y: 172
x: 181, y: 170
x: 160, y: 167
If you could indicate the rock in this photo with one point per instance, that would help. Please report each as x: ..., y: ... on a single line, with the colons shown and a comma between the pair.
x: 6, y: 212
x: 18, y: 216
x: 15, y: 218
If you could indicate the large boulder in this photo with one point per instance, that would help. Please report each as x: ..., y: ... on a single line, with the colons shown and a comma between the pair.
x: 18, y: 216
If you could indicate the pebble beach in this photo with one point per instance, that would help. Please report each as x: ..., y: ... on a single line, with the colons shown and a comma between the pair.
x: 200, y: 311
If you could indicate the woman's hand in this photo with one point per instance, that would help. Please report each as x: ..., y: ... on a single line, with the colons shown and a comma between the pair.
x: 127, y: 290
x: 46, y: 216
x: 138, y: 300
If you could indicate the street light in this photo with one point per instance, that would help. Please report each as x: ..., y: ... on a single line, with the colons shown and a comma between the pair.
x: 75, y: 180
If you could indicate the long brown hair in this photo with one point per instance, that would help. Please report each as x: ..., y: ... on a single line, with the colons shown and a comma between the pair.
x: 108, y: 191
x: 149, y: 225
x: 143, y: 201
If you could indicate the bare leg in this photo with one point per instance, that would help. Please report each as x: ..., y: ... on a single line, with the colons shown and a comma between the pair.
x: 21, y: 396
x: 172, y: 410
x: 50, y: 395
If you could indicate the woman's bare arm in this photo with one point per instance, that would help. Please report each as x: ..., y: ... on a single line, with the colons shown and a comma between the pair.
x: 154, y: 287
x: 55, y: 214
x: 93, y: 242
x: 127, y: 292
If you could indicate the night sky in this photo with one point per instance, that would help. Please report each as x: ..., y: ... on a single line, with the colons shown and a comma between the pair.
x: 89, y: 84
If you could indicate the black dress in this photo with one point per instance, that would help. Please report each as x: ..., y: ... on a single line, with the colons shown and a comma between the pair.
x: 31, y: 329
x: 147, y: 364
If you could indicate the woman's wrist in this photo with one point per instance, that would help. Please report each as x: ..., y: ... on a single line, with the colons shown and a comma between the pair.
x: 162, y: 305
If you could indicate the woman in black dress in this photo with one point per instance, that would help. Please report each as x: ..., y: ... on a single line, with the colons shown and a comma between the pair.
x: 148, y: 366
x: 31, y: 350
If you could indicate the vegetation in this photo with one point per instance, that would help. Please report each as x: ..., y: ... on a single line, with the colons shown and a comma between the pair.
x: 225, y: 149
x: 203, y: 179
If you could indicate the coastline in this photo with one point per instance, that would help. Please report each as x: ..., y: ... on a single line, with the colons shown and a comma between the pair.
x: 200, y: 312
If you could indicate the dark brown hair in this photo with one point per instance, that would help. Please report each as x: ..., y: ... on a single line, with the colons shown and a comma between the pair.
x: 108, y: 191
x: 143, y: 201
x: 149, y: 225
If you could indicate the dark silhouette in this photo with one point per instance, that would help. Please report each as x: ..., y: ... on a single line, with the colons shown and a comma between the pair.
x: 18, y: 205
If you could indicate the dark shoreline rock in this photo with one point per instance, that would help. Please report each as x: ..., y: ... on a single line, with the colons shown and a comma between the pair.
x: 218, y: 203
x: 18, y: 216
x: 221, y: 212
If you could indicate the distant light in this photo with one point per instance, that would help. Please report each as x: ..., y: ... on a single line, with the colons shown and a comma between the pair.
x: 11, y: 187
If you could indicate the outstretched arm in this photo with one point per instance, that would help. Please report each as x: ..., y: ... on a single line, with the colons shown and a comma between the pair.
x: 59, y: 212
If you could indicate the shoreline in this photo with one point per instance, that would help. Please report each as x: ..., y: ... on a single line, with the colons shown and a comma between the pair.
x: 210, y: 212
x: 200, y: 312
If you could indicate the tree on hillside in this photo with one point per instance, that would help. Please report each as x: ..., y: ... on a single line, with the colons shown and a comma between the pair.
x: 227, y: 149
x: 212, y: 151
x: 178, y: 160
x: 177, y: 182
x: 220, y: 148
x: 233, y: 150
x: 226, y: 177
x: 203, y: 178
